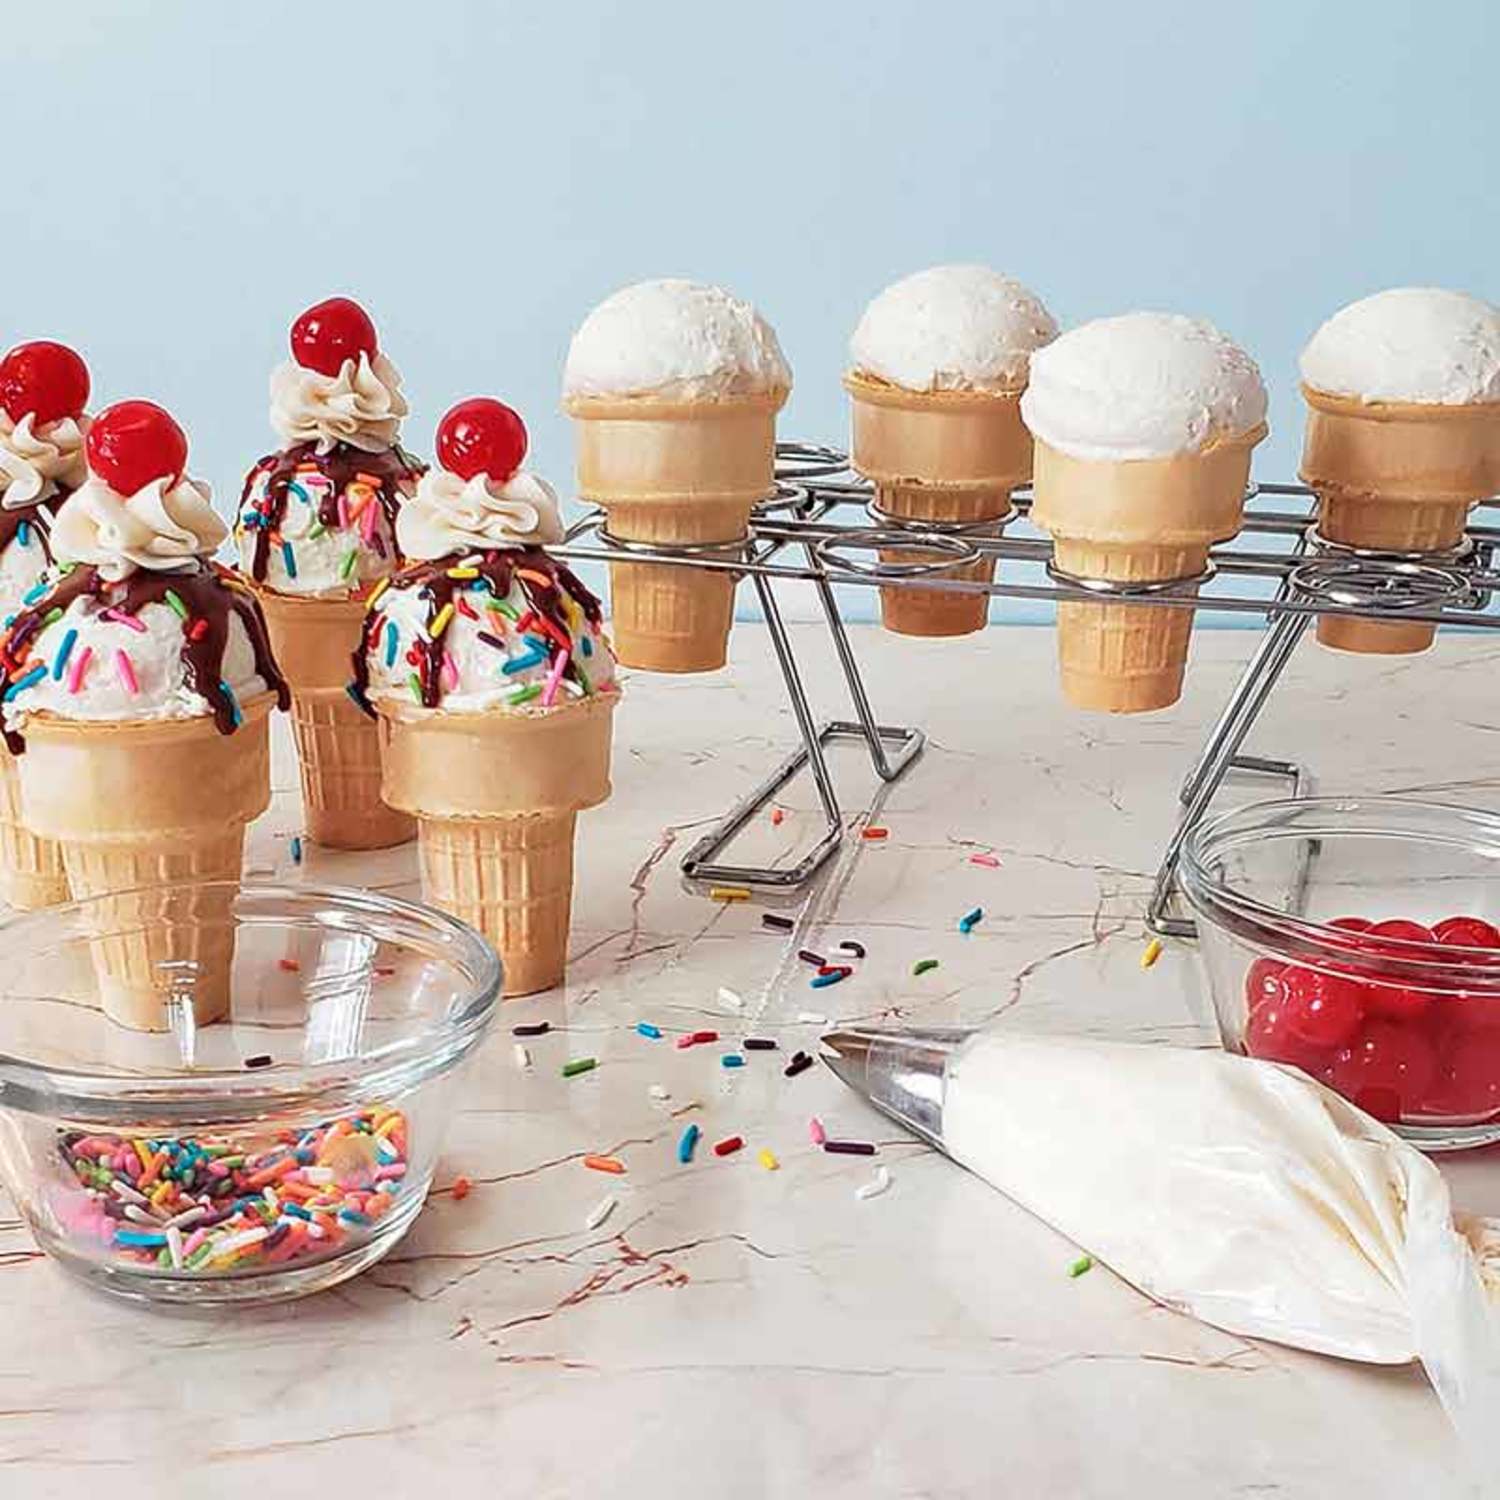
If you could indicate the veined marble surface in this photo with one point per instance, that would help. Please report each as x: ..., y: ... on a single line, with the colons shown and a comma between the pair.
x: 732, y: 1331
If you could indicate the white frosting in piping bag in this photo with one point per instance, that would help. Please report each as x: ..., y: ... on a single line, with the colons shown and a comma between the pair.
x: 160, y: 527
x: 362, y: 405
x: 449, y: 515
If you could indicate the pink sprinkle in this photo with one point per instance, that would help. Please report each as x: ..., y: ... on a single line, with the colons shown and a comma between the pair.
x: 118, y: 618
x: 343, y: 511
x: 390, y: 1173
x: 126, y: 670
x: 79, y: 667
x: 367, y: 520
x: 815, y: 1131
x: 684, y: 1042
x: 554, y: 677
x: 450, y: 672
x: 987, y: 860
x: 192, y: 1242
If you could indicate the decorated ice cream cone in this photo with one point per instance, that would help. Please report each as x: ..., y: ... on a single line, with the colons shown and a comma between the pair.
x: 681, y: 474
x: 951, y: 457
x: 31, y: 870
x: 139, y: 804
x: 497, y: 846
x: 1395, y: 476
x: 338, y: 749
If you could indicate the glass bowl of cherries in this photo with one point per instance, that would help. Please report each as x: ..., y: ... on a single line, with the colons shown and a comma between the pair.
x: 1358, y: 939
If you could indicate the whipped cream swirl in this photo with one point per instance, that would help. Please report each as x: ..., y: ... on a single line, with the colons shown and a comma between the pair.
x: 36, y: 462
x: 362, y: 405
x: 162, y: 527
x: 452, y: 515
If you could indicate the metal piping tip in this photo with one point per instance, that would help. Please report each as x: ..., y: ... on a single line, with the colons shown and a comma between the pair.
x: 900, y: 1070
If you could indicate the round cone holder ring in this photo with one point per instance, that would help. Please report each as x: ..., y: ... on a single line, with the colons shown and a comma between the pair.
x: 954, y: 546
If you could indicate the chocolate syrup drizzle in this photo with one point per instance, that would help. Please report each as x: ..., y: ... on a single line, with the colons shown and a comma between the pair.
x: 13, y: 517
x: 499, y: 569
x: 341, y: 465
x: 206, y: 596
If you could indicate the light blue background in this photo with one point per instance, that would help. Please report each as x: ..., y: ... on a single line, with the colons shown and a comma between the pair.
x: 181, y: 177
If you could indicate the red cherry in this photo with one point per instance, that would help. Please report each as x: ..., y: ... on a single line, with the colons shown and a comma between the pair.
x: 133, y: 443
x: 48, y: 380
x: 1263, y: 982
x: 1470, y: 1079
x: 1401, y: 930
x: 481, y: 436
x: 1352, y: 924
x: 1395, y: 1002
x: 333, y: 331
x: 1323, y: 1009
x: 1387, y: 1070
x: 1467, y: 932
x: 1268, y: 1036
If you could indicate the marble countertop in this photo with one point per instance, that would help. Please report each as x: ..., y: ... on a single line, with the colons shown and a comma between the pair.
x: 732, y: 1331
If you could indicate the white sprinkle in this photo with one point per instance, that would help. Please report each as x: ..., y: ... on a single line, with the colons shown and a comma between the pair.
x: 318, y: 1174
x: 811, y: 1018
x: 601, y: 1211
x: 728, y: 997
x: 523, y: 1056
x: 272, y: 1201
x: 315, y: 1231
x: 240, y: 1241
x: 875, y: 1186
x: 658, y: 1093
x: 140, y: 1216
x: 174, y: 1246
x: 125, y: 1191
x: 187, y: 1216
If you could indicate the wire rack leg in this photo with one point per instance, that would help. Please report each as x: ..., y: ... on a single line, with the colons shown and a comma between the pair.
x: 702, y: 861
x: 1220, y: 756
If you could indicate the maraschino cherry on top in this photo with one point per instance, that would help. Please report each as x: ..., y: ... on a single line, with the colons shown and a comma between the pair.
x: 486, y: 662
x: 44, y: 390
x: 316, y: 531
x: 138, y: 687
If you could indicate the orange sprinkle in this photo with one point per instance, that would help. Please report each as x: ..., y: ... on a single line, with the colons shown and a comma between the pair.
x: 461, y: 1188
x: 776, y: 816
x: 605, y: 1164
x: 875, y: 833
x: 532, y: 576
x: 290, y: 965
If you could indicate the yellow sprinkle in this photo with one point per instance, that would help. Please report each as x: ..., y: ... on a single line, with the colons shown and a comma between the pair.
x: 1151, y: 954
x: 163, y: 1191
x: 376, y: 592
x: 440, y: 621
x: 768, y: 1160
x: 388, y: 1124
x: 463, y: 572
x: 144, y: 1154
x: 728, y: 893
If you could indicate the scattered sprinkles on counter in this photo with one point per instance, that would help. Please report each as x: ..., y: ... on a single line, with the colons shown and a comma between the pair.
x: 687, y: 1144
x: 728, y: 1146
x: 970, y: 920
x: 600, y: 1212
x: 461, y: 1189
x: 874, y: 835
x: 923, y: 966
x: 296, y: 850
x: 533, y: 1028
x: 776, y: 817
x: 1079, y: 1266
x: 776, y: 923
x: 985, y: 861
x: 646, y: 1029
x: 767, y: 1159
x: 850, y: 946
x: 800, y: 1063
x: 1151, y: 953
x: 811, y: 1018
x: 729, y: 893
x: 522, y: 1055
x: 849, y: 1148
x: 611, y: 1164
x: 809, y: 957
x: 728, y: 997
x: 877, y: 1185
x: 579, y: 1065
x: 211, y: 1206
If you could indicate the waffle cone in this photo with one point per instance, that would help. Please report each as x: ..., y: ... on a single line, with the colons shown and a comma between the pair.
x: 1395, y: 476
x: 338, y: 748
x: 678, y: 473
x: 31, y: 869
x: 946, y: 456
x: 496, y: 797
x: 145, y: 803
x: 1135, y: 521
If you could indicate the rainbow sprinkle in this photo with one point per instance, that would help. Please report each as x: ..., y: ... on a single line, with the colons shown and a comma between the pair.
x: 125, y: 671
x: 79, y: 668
x: 64, y: 651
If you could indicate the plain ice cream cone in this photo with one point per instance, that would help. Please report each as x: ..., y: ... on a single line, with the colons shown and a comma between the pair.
x: 338, y: 748
x: 676, y: 473
x: 946, y: 456
x: 31, y: 869
x: 1135, y: 521
x: 1395, y: 476
x: 141, y: 804
x: 496, y: 796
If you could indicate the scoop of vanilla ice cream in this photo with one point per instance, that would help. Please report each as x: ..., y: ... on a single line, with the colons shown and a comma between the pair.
x: 1145, y: 385
x: 1412, y: 343
x: 678, y: 340
x: 952, y: 328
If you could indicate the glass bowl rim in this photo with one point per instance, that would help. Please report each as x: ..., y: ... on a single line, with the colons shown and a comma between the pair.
x: 1402, y: 960
x: 236, y: 1094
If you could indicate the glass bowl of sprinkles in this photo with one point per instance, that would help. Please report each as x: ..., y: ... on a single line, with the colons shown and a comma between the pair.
x: 269, y: 1144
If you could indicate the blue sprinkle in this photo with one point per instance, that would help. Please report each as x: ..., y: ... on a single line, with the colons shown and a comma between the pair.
x: 392, y: 640
x: 732, y: 1060
x: 586, y: 646
x: 970, y: 920
x: 290, y: 559
x: 296, y: 1210
x: 234, y: 704
x: 35, y: 593
x: 296, y: 489
x: 822, y: 981
x: 23, y: 534
x: 687, y: 1144
x: 645, y: 1028
x: 524, y: 663
x: 20, y: 685
x: 353, y: 1216
x: 356, y: 697
x: 63, y: 653
x: 296, y: 850
x: 145, y: 1238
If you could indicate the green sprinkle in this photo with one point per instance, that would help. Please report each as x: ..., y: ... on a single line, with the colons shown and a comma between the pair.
x: 178, y: 607
x: 347, y: 566
x: 52, y: 616
x: 579, y: 1065
x: 316, y: 530
x: 415, y: 684
x: 526, y: 694
x: 923, y: 965
x: 200, y: 1255
x: 583, y: 680
x: 1082, y: 1264
x: 508, y: 610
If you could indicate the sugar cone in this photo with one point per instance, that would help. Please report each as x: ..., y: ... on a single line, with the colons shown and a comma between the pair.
x: 1395, y: 476
x: 496, y: 797
x: 338, y: 748
x: 31, y: 870
x: 945, y: 456
x: 1148, y: 520
x: 146, y: 803
x: 679, y: 473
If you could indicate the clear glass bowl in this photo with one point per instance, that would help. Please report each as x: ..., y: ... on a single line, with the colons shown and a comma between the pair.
x: 278, y: 1133
x: 1305, y: 911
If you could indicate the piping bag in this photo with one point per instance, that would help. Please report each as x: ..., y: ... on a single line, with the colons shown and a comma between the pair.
x: 1235, y: 1190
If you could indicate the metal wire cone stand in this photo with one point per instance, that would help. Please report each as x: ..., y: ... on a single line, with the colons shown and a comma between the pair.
x: 823, y: 527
